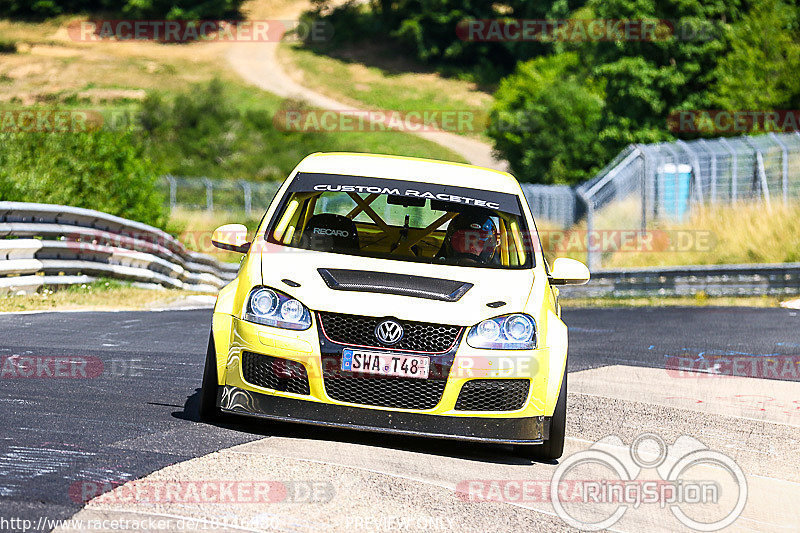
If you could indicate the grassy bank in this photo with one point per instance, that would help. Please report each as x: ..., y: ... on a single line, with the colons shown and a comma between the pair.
x: 376, y: 78
x: 710, y: 235
x: 45, y: 67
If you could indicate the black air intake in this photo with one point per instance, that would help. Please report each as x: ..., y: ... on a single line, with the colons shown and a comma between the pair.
x: 398, y: 393
x: 401, y: 284
x: 493, y: 395
x: 275, y: 373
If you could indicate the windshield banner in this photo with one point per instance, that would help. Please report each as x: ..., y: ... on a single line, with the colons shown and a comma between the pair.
x: 306, y: 182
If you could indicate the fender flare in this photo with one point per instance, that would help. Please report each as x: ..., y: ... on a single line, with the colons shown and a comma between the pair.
x: 557, y: 342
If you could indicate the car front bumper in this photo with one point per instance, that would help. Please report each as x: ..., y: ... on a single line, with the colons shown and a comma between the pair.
x: 520, y: 430
x: 527, y: 425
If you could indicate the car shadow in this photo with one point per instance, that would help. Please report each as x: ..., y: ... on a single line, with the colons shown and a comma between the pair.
x: 487, y: 453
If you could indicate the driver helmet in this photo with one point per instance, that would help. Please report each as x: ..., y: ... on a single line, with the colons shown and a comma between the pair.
x: 472, y: 235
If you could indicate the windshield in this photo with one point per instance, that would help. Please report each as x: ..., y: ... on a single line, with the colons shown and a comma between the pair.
x: 402, y: 220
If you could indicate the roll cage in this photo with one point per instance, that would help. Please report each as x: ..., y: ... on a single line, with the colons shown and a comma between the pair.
x: 400, y: 241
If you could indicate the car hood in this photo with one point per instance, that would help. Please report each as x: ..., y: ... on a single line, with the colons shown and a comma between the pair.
x: 488, y: 285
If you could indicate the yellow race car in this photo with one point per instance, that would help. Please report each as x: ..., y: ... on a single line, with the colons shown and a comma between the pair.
x: 397, y: 295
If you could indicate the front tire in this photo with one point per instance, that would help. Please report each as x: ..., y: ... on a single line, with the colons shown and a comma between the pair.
x: 209, y: 411
x: 553, y: 447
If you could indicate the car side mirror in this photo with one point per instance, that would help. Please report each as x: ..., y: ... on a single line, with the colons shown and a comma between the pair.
x: 568, y: 272
x: 231, y: 237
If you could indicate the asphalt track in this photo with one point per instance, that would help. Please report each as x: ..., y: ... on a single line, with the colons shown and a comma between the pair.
x: 138, y: 414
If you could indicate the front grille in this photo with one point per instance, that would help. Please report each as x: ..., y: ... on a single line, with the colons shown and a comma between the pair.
x: 275, y: 373
x: 417, y: 336
x: 399, y: 393
x: 493, y: 395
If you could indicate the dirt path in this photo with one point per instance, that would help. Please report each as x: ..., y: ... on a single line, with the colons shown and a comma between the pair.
x: 258, y: 64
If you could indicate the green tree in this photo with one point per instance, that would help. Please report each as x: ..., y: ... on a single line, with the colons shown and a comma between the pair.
x: 646, y: 79
x: 546, y: 121
x: 102, y: 170
x: 760, y: 71
x: 642, y: 81
x: 202, y: 132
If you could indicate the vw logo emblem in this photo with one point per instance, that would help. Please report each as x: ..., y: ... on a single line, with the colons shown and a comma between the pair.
x: 389, y: 332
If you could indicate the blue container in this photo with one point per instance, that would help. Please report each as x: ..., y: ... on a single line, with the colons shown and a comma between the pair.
x: 673, y: 188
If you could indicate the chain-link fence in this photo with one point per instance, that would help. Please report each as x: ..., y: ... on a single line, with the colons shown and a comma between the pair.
x: 664, y: 180
x: 555, y: 204
x: 643, y: 183
x: 552, y: 205
x: 218, y: 195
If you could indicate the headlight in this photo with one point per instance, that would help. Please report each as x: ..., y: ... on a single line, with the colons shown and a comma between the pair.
x: 272, y: 308
x: 509, y: 332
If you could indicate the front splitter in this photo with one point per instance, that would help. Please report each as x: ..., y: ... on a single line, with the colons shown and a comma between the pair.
x: 527, y: 430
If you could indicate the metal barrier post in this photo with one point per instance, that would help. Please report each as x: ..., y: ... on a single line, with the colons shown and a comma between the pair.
x: 734, y: 166
x: 760, y: 171
x: 784, y: 166
x: 209, y: 194
x: 762, y: 177
x: 695, y: 171
x: 643, y: 185
x: 713, y: 170
x: 172, y: 192
x: 248, y: 196
x: 592, y: 259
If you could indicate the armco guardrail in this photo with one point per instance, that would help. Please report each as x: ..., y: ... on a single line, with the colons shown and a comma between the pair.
x: 55, y: 245
x: 714, y: 280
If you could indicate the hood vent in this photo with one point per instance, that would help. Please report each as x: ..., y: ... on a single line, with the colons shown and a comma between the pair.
x: 401, y: 284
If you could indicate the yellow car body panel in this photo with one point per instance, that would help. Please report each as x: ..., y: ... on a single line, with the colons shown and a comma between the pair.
x: 525, y: 291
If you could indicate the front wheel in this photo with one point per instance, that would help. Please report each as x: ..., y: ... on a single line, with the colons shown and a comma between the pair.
x: 209, y: 411
x: 553, y: 447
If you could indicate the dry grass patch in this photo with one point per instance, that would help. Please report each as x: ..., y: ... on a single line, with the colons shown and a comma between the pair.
x: 194, y: 229
x: 700, y: 300
x: 729, y: 234
x: 711, y: 235
x: 108, y: 295
x: 50, y: 66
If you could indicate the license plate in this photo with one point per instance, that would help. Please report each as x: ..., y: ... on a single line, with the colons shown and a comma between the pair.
x: 386, y: 364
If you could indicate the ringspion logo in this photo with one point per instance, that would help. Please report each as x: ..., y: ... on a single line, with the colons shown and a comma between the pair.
x: 593, y: 489
x: 690, y: 474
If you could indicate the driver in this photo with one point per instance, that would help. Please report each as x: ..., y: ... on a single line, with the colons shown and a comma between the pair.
x: 472, y: 235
